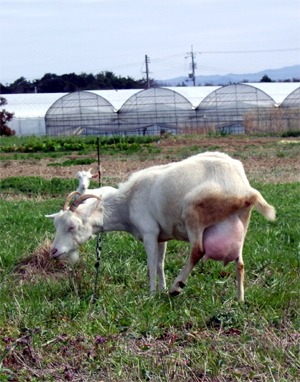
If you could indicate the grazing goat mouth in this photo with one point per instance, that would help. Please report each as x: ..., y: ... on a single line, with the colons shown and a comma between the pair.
x: 57, y: 257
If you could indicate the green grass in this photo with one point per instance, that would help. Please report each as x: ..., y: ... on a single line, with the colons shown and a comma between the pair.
x: 49, y: 333
x: 33, y: 144
x: 39, y: 186
x: 74, y: 162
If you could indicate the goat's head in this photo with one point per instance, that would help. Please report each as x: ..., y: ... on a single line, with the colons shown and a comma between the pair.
x: 84, y: 178
x: 75, y: 225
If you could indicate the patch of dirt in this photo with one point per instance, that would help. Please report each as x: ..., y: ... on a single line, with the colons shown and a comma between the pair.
x: 264, y: 159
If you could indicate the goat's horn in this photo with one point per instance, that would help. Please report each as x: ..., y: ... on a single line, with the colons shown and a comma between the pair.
x: 68, y: 198
x: 81, y: 199
x: 90, y: 169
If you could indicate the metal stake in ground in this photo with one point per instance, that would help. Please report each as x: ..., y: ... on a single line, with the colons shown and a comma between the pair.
x: 99, y: 169
x: 99, y: 240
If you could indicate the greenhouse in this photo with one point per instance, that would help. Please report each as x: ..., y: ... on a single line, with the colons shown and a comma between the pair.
x: 236, y: 108
x: 158, y: 110
x: 87, y: 112
x: 124, y: 112
x: 225, y: 108
x: 29, y: 111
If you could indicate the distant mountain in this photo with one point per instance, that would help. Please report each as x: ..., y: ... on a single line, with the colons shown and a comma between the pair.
x: 286, y: 73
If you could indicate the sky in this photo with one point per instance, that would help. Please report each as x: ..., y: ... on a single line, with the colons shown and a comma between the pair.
x: 93, y: 36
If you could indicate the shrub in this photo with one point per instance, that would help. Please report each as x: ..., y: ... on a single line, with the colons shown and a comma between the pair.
x: 5, y: 117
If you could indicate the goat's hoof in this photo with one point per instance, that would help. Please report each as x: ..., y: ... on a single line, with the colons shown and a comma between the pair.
x: 176, y: 289
x: 174, y: 293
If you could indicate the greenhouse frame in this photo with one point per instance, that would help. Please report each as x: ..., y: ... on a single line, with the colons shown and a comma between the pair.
x: 235, y: 108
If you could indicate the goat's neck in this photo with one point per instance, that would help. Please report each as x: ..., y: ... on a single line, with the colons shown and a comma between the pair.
x: 116, y: 213
x: 81, y: 190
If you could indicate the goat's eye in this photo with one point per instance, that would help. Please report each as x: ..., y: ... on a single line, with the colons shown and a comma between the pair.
x: 71, y: 228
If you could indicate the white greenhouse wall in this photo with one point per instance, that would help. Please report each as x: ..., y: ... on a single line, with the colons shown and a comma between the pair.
x: 29, y: 111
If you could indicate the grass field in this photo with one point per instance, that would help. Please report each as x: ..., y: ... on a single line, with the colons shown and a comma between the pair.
x: 51, y: 330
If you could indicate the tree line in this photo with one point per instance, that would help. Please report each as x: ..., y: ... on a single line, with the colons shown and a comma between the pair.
x: 66, y: 83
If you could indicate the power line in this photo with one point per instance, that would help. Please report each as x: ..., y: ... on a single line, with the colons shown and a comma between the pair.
x: 251, y: 51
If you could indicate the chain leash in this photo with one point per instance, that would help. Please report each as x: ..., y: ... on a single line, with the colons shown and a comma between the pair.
x: 97, y: 265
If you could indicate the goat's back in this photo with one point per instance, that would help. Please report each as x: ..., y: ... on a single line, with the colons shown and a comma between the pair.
x: 211, y: 171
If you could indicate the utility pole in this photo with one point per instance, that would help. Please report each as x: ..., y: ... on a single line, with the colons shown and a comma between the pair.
x: 193, y: 66
x: 147, y: 60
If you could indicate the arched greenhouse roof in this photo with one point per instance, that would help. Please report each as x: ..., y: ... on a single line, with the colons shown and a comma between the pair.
x: 278, y: 91
x: 116, y: 97
x: 89, y: 98
x: 292, y: 100
x: 235, y: 96
x: 196, y: 94
x: 156, y: 98
x: 154, y: 110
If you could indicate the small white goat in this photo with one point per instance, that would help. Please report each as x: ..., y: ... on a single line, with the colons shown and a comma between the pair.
x: 205, y: 200
x: 84, y: 178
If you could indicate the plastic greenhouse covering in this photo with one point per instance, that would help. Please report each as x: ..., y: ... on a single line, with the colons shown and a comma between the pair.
x: 236, y: 108
x: 292, y: 100
x: 29, y: 111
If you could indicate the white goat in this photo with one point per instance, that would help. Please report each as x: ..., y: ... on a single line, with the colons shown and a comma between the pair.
x: 84, y: 178
x: 205, y: 200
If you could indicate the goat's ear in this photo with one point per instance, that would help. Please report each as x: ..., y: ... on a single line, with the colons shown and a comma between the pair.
x: 91, y: 208
x: 95, y: 176
x: 51, y: 216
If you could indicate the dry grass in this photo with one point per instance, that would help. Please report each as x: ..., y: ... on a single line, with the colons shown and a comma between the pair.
x: 39, y: 265
x: 266, y: 356
x: 273, y: 120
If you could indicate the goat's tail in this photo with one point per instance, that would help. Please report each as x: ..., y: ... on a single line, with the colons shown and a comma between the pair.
x: 264, y: 208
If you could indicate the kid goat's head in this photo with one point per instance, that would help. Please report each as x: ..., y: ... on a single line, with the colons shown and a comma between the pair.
x: 85, y: 178
x: 74, y: 226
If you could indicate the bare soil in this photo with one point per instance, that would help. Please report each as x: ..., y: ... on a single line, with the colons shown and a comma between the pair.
x: 269, y: 160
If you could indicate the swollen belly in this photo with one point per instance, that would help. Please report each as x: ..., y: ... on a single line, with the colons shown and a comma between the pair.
x: 224, y: 241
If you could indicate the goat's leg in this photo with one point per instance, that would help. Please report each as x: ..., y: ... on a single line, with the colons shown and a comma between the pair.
x: 239, y: 271
x: 244, y: 215
x: 160, y: 266
x: 180, y: 281
x: 151, y: 246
